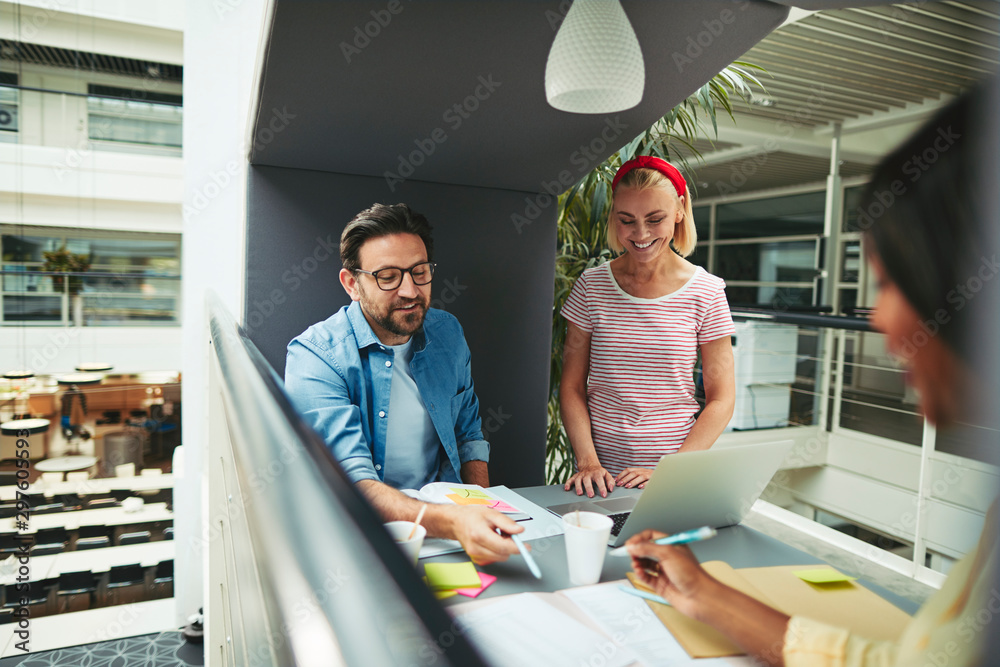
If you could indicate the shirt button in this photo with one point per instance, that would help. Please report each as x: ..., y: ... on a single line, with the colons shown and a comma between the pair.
x: 378, y: 467
x: 388, y: 363
x: 381, y: 413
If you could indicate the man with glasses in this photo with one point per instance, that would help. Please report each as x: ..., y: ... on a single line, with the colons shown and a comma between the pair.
x: 387, y: 382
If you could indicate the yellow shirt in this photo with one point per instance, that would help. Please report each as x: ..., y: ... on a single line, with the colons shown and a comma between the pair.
x: 946, y: 631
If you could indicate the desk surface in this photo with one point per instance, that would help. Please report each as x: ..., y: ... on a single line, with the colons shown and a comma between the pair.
x: 737, y: 545
x: 109, y: 516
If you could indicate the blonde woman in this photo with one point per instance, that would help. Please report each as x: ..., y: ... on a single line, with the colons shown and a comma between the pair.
x: 636, y: 326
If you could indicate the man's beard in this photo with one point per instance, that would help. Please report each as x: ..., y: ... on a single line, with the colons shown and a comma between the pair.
x: 398, y: 323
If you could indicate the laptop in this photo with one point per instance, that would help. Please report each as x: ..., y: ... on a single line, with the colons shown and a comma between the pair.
x: 714, y: 487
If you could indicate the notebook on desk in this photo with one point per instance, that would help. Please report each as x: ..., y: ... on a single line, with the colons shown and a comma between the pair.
x: 714, y: 488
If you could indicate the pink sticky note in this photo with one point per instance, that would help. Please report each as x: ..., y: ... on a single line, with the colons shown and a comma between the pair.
x: 501, y: 506
x: 487, y: 579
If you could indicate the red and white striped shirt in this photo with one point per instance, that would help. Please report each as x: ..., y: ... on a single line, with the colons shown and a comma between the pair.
x: 640, y: 390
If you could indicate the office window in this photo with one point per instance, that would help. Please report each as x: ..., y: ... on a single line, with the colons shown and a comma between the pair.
x: 133, y: 278
x: 852, y: 200
x: 792, y: 215
x: 9, y: 98
x: 134, y: 116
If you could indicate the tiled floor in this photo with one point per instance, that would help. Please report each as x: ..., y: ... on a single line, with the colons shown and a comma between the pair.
x: 163, y: 649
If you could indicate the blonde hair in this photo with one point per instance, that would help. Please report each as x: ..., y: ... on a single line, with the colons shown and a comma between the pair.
x: 685, y: 234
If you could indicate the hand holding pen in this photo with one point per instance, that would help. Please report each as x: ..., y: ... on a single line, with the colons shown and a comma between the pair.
x: 686, y: 537
x: 670, y: 569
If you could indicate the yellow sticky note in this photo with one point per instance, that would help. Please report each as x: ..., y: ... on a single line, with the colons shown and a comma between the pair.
x: 443, y: 576
x: 463, y: 500
x: 444, y: 595
x: 471, y: 493
x: 823, y: 575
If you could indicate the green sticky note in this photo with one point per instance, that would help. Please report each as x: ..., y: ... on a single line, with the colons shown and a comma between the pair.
x: 823, y: 575
x: 471, y: 493
x: 444, y: 576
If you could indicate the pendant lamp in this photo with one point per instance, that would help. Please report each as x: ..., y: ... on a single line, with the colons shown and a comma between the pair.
x: 595, y: 65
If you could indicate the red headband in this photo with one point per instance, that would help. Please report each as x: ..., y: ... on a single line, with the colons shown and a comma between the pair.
x: 650, y: 162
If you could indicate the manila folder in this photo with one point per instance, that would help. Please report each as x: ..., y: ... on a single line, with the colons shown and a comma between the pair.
x: 846, y: 604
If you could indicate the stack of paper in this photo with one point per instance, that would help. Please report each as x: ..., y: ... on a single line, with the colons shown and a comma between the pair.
x: 449, y: 579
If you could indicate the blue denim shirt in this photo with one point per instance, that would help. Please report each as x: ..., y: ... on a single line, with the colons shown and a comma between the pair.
x: 339, y: 377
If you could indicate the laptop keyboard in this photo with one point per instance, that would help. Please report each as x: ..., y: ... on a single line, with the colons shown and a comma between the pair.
x: 618, y: 522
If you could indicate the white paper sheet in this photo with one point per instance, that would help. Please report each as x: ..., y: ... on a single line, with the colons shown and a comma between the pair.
x: 541, y: 524
x: 629, y: 620
x: 523, y: 630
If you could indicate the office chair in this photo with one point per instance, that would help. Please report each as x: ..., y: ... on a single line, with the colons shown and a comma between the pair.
x: 72, y: 587
x: 57, y: 535
x: 163, y: 579
x: 86, y: 543
x: 138, y: 537
x: 47, y: 549
x: 123, y: 577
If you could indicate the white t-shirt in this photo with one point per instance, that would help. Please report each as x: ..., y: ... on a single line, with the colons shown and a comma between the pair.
x: 640, y: 390
x: 412, y: 446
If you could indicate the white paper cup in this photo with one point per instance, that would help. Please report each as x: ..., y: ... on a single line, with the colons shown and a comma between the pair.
x: 586, y: 544
x: 400, y: 530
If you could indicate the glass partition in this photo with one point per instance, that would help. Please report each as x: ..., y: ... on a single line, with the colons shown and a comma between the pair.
x: 302, y: 571
x: 867, y: 462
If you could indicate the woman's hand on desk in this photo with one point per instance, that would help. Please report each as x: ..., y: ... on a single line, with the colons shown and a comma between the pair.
x: 672, y: 571
x: 630, y: 477
x: 592, y: 478
x: 475, y: 527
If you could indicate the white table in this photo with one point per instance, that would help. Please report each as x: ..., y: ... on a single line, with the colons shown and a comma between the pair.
x: 41, y: 566
x: 109, y: 516
x: 102, y: 560
x: 66, y: 463
x: 93, y: 486
x: 93, y: 625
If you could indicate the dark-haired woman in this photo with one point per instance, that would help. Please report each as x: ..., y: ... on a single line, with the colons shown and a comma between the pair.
x: 933, y: 238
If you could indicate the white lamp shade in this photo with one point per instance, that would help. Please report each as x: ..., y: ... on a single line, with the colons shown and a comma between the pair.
x: 595, y: 65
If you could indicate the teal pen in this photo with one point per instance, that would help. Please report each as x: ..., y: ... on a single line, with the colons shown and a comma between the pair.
x: 688, y: 536
x: 642, y: 594
x: 532, y: 565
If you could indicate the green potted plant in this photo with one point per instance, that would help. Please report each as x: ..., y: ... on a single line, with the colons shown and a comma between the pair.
x: 73, y: 265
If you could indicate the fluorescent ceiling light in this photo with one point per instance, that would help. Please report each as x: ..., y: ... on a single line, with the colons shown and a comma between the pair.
x: 595, y: 65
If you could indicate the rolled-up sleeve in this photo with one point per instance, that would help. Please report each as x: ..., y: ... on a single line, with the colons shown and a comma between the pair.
x: 319, y: 391
x: 809, y: 643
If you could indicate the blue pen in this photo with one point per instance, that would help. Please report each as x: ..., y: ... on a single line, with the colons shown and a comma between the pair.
x: 532, y: 565
x: 688, y: 536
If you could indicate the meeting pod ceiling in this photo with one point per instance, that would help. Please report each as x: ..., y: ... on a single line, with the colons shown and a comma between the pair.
x: 454, y: 92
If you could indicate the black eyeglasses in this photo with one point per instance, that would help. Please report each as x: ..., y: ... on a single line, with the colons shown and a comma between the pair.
x: 390, y: 277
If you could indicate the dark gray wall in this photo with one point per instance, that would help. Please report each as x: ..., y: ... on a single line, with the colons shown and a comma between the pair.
x: 495, y: 277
